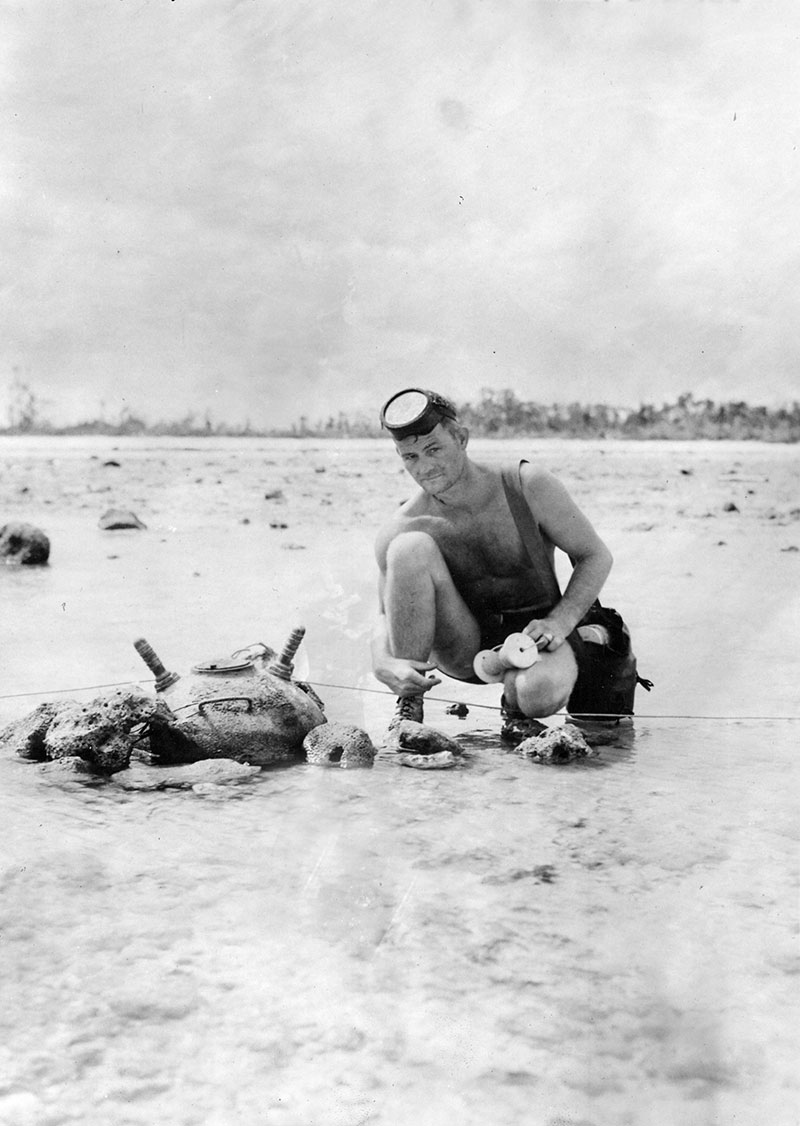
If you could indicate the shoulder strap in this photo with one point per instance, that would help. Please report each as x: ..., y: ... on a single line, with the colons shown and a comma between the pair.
x: 529, y: 529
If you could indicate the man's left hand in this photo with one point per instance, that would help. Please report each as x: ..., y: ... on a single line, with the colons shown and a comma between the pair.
x: 547, y: 634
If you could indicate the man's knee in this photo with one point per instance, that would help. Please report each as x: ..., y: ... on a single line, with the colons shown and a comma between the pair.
x: 413, y: 551
x: 545, y: 687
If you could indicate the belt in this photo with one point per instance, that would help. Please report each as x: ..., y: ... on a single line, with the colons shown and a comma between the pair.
x: 532, y: 610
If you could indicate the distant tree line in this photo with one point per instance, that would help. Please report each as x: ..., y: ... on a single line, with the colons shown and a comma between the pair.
x: 496, y: 414
x: 501, y: 414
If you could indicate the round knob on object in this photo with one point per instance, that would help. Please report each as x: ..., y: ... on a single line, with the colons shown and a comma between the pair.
x: 283, y: 665
x: 164, y: 679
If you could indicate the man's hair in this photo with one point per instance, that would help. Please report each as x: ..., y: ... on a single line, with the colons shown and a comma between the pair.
x: 451, y: 425
x: 449, y: 405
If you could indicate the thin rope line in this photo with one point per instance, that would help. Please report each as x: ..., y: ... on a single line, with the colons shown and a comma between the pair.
x: 606, y: 715
x: 433, y: 699
x: 60, y: 691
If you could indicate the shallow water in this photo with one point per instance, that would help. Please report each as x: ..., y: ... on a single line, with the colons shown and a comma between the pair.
x: 613, y: 942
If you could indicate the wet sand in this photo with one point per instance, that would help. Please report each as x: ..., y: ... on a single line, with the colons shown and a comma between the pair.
x: 614, y: 943
x: 262, y: 536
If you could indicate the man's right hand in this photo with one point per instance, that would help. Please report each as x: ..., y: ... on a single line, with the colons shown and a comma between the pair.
x: 406, y: 678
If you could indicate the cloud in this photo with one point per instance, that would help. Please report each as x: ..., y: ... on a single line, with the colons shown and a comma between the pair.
x: 272, y: 209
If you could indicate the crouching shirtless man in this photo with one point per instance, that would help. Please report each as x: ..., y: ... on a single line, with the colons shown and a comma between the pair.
x: 459, y: 571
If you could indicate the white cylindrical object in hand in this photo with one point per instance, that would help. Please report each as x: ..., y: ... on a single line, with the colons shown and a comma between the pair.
x: 488, y: 666
x: 519, y: 651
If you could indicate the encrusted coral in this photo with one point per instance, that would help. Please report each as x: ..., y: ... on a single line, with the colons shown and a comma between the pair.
x: 338, y: 744
x: 556, y: 745
x: 102, y: 732
x: 422, y: 747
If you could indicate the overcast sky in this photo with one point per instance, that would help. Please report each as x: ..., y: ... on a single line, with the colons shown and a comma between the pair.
x: 264, y: 208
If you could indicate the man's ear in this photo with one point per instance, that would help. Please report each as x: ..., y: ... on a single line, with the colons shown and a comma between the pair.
x: 464, y: 437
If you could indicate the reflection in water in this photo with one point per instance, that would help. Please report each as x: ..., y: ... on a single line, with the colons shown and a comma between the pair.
x: 317, y: 944
x: 616, y: 740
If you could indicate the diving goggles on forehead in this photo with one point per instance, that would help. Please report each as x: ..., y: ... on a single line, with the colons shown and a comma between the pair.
x: 415, y: 411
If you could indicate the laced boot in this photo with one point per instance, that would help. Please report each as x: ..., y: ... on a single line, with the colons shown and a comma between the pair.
x: 407, y: 707
x: 516, y: 726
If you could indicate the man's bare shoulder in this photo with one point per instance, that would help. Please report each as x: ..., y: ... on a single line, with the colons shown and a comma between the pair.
x: 541, y: 487
x: 556, y: 512
x: 535, y: 476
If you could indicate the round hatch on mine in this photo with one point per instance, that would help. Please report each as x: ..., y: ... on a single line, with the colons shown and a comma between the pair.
x: 222, y: 665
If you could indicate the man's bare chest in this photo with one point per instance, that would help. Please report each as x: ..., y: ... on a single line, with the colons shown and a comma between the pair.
x: 476, y: 545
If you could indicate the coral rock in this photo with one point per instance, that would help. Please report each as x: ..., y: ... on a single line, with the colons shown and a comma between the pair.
x: 556, y: 745
x: 423, y: 747
x: 339, y: 744
x: 25, y: 737
x: 23, y: 543
x: 117, y: 518
x: 101, y: 732
x: 461, y: 710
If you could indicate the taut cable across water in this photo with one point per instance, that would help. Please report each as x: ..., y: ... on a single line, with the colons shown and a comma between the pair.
x: 431, y: 699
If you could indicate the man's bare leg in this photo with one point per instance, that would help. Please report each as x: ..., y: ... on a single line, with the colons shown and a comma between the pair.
x: 545, y: 687
x: 426, y: 616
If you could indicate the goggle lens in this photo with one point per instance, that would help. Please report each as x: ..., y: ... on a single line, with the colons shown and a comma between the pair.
x: 405, y: 409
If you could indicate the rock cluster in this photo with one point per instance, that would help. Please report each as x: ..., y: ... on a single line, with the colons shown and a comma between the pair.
x: 101, y: 733
x: 222, y: 723
x: 281, y: 721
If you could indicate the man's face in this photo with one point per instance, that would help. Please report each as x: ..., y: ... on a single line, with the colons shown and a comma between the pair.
x: 434, y: 460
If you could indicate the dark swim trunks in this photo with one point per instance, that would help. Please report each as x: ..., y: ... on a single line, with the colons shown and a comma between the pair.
x: 497, y: 625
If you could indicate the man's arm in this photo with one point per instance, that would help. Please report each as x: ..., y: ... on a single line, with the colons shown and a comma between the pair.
x: 569, y: 529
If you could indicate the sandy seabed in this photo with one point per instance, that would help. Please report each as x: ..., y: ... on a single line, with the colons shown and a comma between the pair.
x: 607, y: 944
